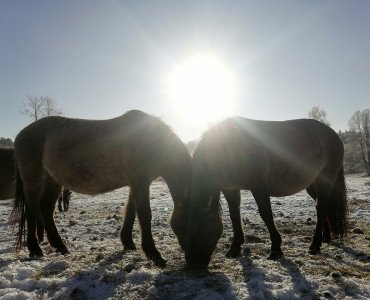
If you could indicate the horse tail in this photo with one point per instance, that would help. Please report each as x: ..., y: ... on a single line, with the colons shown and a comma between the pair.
x: 18, y: 215
x: 338, y: 214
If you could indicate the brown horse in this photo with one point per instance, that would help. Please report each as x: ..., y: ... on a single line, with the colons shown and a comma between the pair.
x: 97, y: 156
x: 7, y: 176
x: 269, y: 159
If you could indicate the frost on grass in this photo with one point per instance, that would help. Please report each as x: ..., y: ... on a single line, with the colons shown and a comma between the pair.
x: 98, y: 268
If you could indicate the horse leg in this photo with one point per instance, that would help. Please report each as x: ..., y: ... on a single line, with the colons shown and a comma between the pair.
x: 50, y: 196
x: 140, y: 190
x: 60, y: 203
x: 128, y: 224
x: 326, y: 231
x: 323, y: 190
x: 262, y: 198
x: 32, y: 208
x: 40, y: 229
x: 66, y: 197
x: 233, y: 200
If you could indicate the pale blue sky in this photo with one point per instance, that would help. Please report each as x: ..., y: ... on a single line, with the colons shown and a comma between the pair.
x: 99, y: 59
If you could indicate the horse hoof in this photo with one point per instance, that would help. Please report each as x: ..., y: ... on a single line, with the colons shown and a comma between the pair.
x: 275, y: 255
x: 326, y: 240
x: 36, y: 254
x: 314, y: 250
x: 129, y: 246
x: 63, y: 251
x: 232, y: 253
x: 159, y: 261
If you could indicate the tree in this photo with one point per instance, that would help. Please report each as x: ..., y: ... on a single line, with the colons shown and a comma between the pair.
x: 38, y: 107
x: 359, y: 124
x: 318, y: 114
x: 50, y: 108
x: 6, y: 142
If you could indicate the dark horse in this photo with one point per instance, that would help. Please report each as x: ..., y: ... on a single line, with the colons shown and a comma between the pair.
x: 269, y: 159
x: 7, y: 177
x: 96, y: 156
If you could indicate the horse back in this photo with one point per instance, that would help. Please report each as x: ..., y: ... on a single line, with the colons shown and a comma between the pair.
x: 285, y: 156
x: 95, y: 156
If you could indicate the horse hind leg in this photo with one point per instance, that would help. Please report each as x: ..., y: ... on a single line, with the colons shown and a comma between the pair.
x: 47, y: 206
x: 323, y: 192
x: 233, y: 200
x: 32, y: 208
x: 326, y: 230
x: 128, y: 224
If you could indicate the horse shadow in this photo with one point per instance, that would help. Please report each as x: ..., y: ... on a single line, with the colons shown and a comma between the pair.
x: 257, y: 279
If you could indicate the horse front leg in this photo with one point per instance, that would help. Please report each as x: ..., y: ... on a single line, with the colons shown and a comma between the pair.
x: 140, y: 190
x: 128, y: 224
x: 233, y: 200
x: 262, y: 198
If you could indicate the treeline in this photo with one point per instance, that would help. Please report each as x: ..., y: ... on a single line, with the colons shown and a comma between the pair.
x: 353, y: 162
x: 5, y: 142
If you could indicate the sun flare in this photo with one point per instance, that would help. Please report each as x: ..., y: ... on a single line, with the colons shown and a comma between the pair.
x: 202, y: 88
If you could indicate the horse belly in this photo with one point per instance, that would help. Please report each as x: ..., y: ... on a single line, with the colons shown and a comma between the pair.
x: 86, y: 174
x: 290, y: 182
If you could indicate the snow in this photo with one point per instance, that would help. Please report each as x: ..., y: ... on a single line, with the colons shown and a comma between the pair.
x: 98, y: 268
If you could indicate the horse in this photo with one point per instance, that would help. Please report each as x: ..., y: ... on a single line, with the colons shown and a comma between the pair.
x: 93, y: 157
x: 7, y: 178
x: 271, y: 159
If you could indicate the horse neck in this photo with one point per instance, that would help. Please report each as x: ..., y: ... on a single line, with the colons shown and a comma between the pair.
x: 176, y: 173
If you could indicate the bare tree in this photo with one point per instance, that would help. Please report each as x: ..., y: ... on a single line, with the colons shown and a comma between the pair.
x: 359, y: 124
x: 318, y: 114
x: 38, y: 107
x: 32, y: 108
x: 50, y: 108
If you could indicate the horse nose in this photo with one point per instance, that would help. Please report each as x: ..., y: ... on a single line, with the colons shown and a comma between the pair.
x: 196, y: 263
x: 196, y: 266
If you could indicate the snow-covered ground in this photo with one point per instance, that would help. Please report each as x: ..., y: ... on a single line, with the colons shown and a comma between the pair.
x: 97, y: 267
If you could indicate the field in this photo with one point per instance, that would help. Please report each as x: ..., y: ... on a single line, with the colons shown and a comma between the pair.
x: 98, y: 268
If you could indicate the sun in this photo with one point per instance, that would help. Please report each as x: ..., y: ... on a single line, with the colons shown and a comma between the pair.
x: 202, y: 88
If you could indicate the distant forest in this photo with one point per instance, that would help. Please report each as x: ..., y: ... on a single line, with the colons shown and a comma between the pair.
x: 6, y: 142
x: 353, y: 162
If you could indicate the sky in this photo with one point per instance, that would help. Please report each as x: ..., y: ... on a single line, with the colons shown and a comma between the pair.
x: 191, y: 63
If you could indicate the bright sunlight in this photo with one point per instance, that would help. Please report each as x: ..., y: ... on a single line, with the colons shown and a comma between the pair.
x: 203, y: 89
